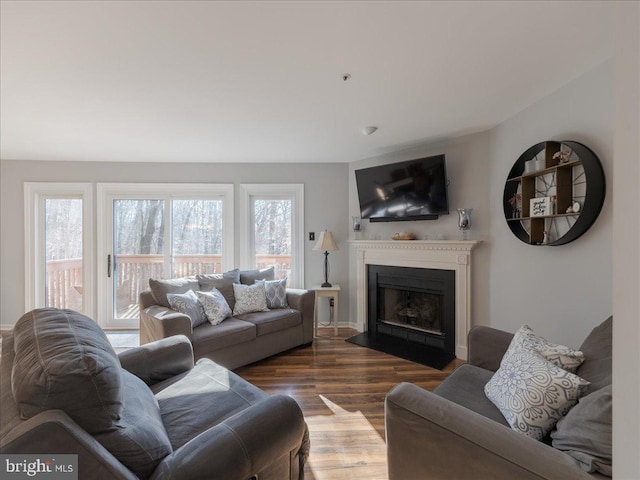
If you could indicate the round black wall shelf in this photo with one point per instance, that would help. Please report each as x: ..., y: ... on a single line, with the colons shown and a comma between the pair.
x: 566, y: 180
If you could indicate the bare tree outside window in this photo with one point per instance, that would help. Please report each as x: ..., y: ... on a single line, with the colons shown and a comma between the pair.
x: 272, y: 234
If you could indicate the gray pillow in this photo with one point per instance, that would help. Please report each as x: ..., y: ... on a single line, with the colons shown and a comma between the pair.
x: 532, y: 393
x: 276, y: 293
x: 139, y: 439
x: 249, y: 277
x: 160, y: 288
x: 598, y: 348
x: 189, y: 304
x: 63, y: 360
x: 585, y: 432
x: 250, y: 298
x: 221, y: 281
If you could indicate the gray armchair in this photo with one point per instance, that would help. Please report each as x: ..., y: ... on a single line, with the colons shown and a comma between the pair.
x: 149, y: 413
x: 457, y: 432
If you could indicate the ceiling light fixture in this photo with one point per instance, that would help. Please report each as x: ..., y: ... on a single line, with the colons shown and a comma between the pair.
x: 369, y: 130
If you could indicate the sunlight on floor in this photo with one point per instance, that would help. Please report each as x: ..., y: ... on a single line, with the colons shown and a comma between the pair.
x: 357, y: 449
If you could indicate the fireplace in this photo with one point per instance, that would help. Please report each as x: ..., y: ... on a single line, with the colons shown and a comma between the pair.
x: 415, y: 305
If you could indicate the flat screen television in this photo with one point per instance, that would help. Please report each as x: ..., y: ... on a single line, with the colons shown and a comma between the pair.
x: 411, y: 190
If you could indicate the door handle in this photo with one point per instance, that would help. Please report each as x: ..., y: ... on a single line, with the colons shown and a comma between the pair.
x: 109, y: 265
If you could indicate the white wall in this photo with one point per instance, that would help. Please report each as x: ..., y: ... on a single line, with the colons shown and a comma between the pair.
x: 325, y: 197
x: 467, y: 163
x: 626, y: 240
x: 564, y: 291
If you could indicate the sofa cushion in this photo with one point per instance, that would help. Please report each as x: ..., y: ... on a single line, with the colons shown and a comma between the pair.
x: 249, y: 277
x: 533, y: 393
x: 465, y: 386
x: 139, y: 439
x: 250, y: 298
x: 63, y: 360
x: 189, y: 304
x: 585, y: 432
x: 597, y: 349
x: 160, y: 288
x: 276, y: 293
x: 209, y: 338
x: 272, y: 320
x: 215, y: 306
x: 223, y: 282
x: 202, y: 398
x: 560, y: 355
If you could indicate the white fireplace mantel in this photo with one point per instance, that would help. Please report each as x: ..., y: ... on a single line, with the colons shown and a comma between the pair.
x: 440, y: 255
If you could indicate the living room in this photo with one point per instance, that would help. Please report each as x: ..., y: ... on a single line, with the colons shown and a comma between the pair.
x: 106, y: 95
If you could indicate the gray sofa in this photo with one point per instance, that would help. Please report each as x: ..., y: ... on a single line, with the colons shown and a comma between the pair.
x: 147, y: 413
x: 457, y: 432
x: 239, y: 340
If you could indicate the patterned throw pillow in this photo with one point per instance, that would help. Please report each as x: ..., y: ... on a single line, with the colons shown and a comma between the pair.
x: 188, y: 304
x: 564, y: 357
x: 250, y: 298
x: 215, y: 306
x: 276, y: 292
x: 533, y: 393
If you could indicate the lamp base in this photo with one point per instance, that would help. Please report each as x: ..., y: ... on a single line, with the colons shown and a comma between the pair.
x: 326, y: 284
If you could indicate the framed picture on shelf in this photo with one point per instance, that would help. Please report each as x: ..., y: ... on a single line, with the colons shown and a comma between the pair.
x: 540, y: 206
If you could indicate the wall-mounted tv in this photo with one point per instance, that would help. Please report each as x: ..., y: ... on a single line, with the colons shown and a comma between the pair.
x: 411, y: 190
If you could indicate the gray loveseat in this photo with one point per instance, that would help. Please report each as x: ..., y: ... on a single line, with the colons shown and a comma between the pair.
x: 456, y: 432
x: 239, y: 340
x: 147, y: 413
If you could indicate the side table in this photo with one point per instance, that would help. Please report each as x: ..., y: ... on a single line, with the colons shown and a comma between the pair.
x: 330, y: 292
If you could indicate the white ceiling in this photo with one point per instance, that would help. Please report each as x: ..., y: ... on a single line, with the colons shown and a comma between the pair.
x: 262, y: 81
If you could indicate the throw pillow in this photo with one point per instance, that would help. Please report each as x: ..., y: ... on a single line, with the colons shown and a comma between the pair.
x: 249, y: 277
x: 564, y: 357
x: 222, y: 282
x: 533, y: 393
x: 585, y: 432
x: 276, y: 292
x: 215, y: 306
x: 160, y: 288
x: 250, y: 298
x: 188, y: 304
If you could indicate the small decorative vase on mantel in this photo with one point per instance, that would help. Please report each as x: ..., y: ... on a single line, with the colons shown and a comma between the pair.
x: 464, y: 221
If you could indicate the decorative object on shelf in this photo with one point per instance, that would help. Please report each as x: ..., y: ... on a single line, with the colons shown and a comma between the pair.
x: 326, y: 244
x: 514, y: 201
x: 356, y: 223
x: 540, y: 206
x: 464, y: 221
x: 404, y: 236
x: 568, y: 173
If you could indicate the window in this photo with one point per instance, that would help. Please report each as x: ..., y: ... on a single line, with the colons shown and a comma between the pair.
x: 272, y: 229
x: 58, y: 233
x: 158, y: 231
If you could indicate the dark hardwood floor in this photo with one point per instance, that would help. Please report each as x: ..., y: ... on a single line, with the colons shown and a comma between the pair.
x: 341, y: 388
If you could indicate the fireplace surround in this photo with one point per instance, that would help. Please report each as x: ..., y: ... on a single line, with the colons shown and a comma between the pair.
x: 448, y: 255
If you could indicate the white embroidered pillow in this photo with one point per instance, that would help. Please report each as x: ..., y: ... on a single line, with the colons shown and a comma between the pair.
x: 249, y: 298
x: 532, y: 393
x: 564, y: 357
x: 215, y: 306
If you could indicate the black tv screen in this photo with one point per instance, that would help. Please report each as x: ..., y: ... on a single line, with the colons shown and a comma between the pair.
x: 411, y: 190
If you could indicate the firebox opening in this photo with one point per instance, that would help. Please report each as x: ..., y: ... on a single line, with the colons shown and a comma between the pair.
x: 410, y: 309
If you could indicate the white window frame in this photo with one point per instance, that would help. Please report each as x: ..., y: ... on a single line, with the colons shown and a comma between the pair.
x: 293, y: 191
x: 35, y: 194
x: 107, y: 192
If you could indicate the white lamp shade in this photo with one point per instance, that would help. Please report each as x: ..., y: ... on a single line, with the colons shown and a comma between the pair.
x: 326, y: 242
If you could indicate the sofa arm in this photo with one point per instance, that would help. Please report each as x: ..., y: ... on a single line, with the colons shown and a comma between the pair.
x: 54, y: 432
x: 241, y: 446
x: 159, y: 360
x: 487, y: 346
x: 431, y: 437
x: 303, y: 301
x: 158, y: 322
